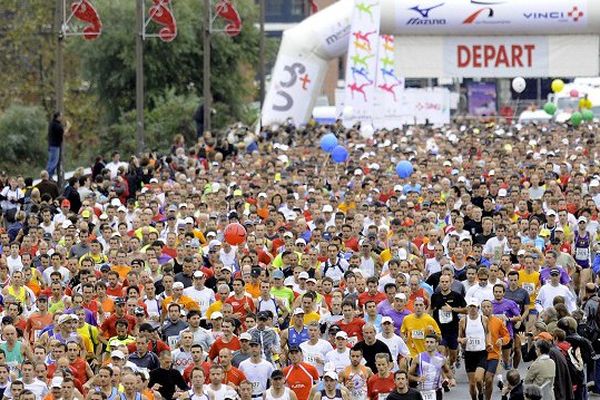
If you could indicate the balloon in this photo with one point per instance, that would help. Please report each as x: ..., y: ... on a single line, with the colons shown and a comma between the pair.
x: 574, y: 93
x: 235, y: 234
x: 404, y: 169
x: 587, y: 115
x: 339, y: 154
x: 557, y: 85
x: 576, y: 119
x: 328, y: 142
x: 519, y: 84
x: 550, y: 108
x: 585, y: 103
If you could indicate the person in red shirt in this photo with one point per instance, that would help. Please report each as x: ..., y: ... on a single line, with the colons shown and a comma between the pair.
x: 114, y: 288
x: 81, y: 369
x: 233, y: 376
x: 351, y: 324
x: 381, y: 384
x: 155, y: 345
x: 300, y: 376
x: 372, y: 293
x: 227, y: 341
x: 350, y: 241
x: 241, y: 303
x: 197, y: 362
x: 109, y: 326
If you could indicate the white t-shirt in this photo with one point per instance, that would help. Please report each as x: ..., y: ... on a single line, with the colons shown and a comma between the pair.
x: 496, y: 248
x: 396, y: 346
x: 481, y: 293
x: 257, y: 374
x: 14, y: 264
x: 204, y: 297
x: 340, y: 360
x: 315, y: 353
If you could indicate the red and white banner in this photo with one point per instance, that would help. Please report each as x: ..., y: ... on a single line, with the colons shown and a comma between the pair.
x: 497, y: 56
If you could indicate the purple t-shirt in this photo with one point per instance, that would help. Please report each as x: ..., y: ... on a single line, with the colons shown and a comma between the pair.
x: 508, y: 308
x: 384, y: 307
x: 565, y: 279
x: 397, y: 317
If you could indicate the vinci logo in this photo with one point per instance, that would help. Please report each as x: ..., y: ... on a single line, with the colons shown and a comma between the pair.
x: 424, y: 18
x: 574, y: 15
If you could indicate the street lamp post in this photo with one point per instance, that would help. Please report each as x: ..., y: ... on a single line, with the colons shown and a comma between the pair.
x: 60, y: 82
x: 139, y: 75
x: 206, y: 90
x: 261, y: 53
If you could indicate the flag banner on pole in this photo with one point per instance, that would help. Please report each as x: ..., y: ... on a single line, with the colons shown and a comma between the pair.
x: 389, y: 85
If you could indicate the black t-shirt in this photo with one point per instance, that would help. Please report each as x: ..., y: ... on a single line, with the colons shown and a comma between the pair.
x: 454, y: 300
x: 482, y: 239
x: 412, y: 394
x: 369, y: 352
x: 519, y: 296
x: 473, y: 227
x: 168, y: 379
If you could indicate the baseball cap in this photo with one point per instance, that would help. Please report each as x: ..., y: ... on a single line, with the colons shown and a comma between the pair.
x: 65, y: 203
x: 313, y: 280
x: 331, y: 374
x: 288, y: 234
x: 298, y: 311
x: 119, y: 300
x: 188, y: 220
x: 178, y: 285
x: 582, y: 219
x: 303, y: 275
x: 278, y: 274
x: 400, y: 296
x: 198, y: 274
x: 105, y: 267
x: 333, y: 329
x: 387, y: 319
x: 559, y: 229
x: 64, y: 318
x: 56, y: 382
x: 216, y: 315
x: 551, y: 213
x: 262, y: 194
x: 263, y: 315
x: 86, y: 214
x: 342, y: 335
x: 300, y: 241
x: 245, y: 336
x: 327, y: 208
x: 473, y: 302
x: 117, y: 354
x: 555, y: 271
x: 521, y: 252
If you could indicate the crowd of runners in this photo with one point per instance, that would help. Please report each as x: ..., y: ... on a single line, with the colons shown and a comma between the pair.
x: 352, y: 283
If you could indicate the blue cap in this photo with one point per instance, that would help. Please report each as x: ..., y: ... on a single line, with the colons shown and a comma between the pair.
x: 278, y: 274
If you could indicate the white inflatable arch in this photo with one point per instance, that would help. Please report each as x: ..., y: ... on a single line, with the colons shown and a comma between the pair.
x: 307, y: 48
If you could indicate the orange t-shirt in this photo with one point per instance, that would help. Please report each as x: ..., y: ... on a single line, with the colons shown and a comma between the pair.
x: 122, y: 270
x: 36, y: 323
x: 498, y: 330
x: 235, y: 376
x: 300, y: 378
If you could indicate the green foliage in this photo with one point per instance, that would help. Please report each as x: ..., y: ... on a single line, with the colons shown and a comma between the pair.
x: 23, y: 138
x: 171, y: 115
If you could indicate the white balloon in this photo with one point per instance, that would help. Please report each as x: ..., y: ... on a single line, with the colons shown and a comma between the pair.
x: 519, y: 84
x: 366, y: 131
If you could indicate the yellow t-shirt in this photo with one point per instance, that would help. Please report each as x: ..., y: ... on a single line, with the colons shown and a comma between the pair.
x: 415, y: 329
x: 214, y: 307
x: 531, y: 283
x: 311, y: 317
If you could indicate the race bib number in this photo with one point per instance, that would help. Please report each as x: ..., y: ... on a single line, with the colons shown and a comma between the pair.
x: 428, y: 395
x: 445, y: 317
x: 474, y: 343
x: 256, y: 389
x: 418, y: 334
x: 582, y: 253
x: 172, y: 341
x: 310, y: 358
x: 529, y: 287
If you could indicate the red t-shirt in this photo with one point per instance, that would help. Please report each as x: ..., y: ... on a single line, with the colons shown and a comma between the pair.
x: 377, y: 385
x: 219, y: 344
x: 109, y: 329
x: 187, y: 372
x: 353, y: 328
x: 300, y: 379
x: 238, y: 305
x: 365, y: 296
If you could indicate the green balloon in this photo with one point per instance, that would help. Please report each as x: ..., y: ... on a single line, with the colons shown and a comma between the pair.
x: 587, y: 115
x: 576, y: 119
x: 550, y: 108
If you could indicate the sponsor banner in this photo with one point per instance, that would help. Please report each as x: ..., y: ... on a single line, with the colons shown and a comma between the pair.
x: 294, y: 83
x: 491, y: 16
x: 418, y: 106
x: 361, y: 68
x: 482, y: 98
x: 389, y: 85
x: 497, y: 56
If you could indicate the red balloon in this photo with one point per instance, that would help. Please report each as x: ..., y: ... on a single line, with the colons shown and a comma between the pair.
x: 574, y: 93
x: 235, y: 234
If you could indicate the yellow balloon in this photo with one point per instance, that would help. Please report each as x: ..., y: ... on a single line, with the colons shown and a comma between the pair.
x: 585, y: 104
x: 557, y: 85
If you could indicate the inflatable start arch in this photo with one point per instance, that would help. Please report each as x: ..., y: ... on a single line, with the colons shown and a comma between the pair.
x: 437, y: 38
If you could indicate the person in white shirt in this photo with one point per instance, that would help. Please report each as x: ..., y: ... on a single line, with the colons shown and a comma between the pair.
x: 257, y: 370
x: 200, y: 293
x: 471, y: 278
x: 482, y: 290
x: 393, y: 341
x: 315, y: 349
x: 496, y: 246
x: 114, y: 165
x: 340, y: 356
x: 553, y: 288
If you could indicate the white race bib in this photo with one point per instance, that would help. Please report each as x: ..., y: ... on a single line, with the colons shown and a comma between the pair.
x: 445, y: 317
x: 428, y: 395
x: 582, y: 253
x: 529, y: 287
x: 172, y: 341
x: 418, y: 334
x: 382, y: 396
x: 474, y: 343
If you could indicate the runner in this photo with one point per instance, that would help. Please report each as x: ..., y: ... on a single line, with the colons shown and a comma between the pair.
x: 430, y: 371
x: 474, y: 336
x: 499, y: 339
x: 356, y: 375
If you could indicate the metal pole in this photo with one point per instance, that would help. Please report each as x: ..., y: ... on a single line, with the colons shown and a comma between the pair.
x: 206, y: 65
x: 60, y: 84
x: 139, y: 76
x: 261, y: 53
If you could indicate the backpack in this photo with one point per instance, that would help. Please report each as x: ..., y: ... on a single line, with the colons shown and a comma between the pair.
x: 575, y: 364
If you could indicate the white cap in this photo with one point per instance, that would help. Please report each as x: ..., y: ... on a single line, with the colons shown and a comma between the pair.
x: 262, y: 194
x: 331, y: 374
x: 298, y: 311
x: 358, y: 171
x: 300, y: 241
x: 245, y: 336
x: 122, y: 209
x: 398, y: 188
x: 117, y: 354
x: 188, y: 220
x: 594, y: 183
x: 473, y: 302
x: 502, y: 192
x: 400, y: 296
x: 550, y: 212
x: 387, y: 319
x: 183, y: 205
x: 198, y: 274
x: 216, y: 315
x: 303, y: 275
x: 313, y: 280
x: 327, y: 208
x: 66, y: 224
x: 178, y: 285
x: 341, y: 334
x: 214, y: 243
x: 56, y: 382
x: 582, y: 219
x: 115, y: 202
x: 462, y: 179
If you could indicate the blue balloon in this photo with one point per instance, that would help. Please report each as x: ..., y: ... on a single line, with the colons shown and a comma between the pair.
x: 339, y: 154
x: 328, y: 142
x: 404, y: 169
